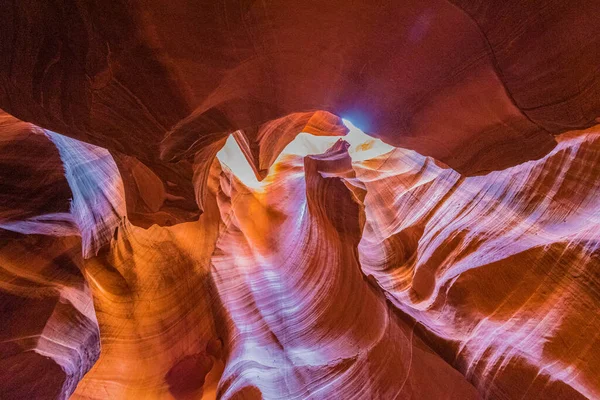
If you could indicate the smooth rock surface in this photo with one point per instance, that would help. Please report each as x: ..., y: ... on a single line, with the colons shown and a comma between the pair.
x: 188, y: 211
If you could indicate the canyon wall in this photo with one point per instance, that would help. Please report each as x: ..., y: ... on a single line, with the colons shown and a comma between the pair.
x: 187, y: 212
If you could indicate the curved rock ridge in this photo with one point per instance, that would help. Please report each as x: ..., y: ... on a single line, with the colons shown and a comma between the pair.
x: 478, y: 85
x: 36, y: 193
x: 321, y: 267
x: 187, y: 212
x: 302, y: 320
x: 86, y: 284
x: 58, y: 186
x: 155, y: 306
x: 58, y: 205
x: 260, y: 146
x: 49, y: 334
x: 502, y: 268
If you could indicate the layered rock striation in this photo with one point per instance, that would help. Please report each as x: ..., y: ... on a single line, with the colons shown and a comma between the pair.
x: 184, y: 214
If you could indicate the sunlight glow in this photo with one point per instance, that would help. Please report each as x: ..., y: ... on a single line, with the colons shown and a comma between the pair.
x: 231, y: 156
x: 362, y: 147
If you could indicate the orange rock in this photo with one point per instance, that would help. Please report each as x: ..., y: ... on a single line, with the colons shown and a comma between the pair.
x: 187, y: 212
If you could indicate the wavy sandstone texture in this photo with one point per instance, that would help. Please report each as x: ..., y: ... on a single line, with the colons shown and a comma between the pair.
x: 185, y: 215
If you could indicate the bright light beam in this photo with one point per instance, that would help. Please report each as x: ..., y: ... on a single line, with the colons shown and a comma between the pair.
x: 362, y: 146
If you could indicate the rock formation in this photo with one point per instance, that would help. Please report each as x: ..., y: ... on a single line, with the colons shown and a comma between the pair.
x: 187, y: 210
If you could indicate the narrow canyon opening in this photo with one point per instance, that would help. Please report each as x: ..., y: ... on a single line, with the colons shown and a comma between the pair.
x: 188, y: 210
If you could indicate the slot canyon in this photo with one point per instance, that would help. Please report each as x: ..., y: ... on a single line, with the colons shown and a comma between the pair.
x: 243, y: 199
